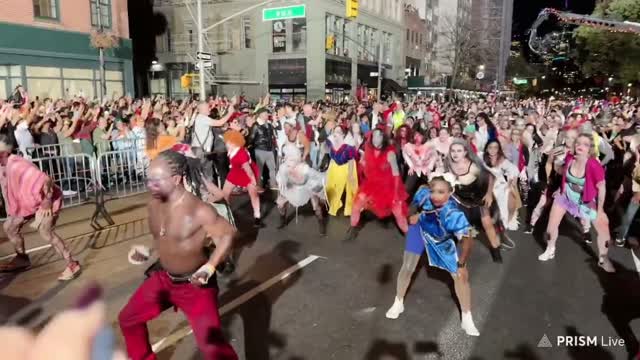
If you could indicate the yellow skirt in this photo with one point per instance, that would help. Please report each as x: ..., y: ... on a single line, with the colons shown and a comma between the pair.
x: 339, y: 181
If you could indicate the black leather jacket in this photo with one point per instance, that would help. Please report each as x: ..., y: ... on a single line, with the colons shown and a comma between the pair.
x: 263, y: 137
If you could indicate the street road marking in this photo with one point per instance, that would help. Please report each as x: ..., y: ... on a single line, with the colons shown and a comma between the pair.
x: 75, y: 237
x: 454, y: 343
x: 636, y: 261
x: 185, y: 331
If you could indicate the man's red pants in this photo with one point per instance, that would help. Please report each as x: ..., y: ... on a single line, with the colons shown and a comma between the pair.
x: 158, y: 293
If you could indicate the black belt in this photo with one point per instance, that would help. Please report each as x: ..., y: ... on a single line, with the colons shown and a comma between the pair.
x: 179, y: 279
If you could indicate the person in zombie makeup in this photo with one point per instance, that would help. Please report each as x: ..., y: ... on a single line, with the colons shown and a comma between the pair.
x: 382, y: 191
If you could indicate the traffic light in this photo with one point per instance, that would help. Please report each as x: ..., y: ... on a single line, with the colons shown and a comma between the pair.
x: 185, y: 81
x: 352, y: 8
x: 331, y: 42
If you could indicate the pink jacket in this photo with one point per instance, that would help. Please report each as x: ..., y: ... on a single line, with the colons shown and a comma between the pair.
x: 22, y: 184
x: 594, y: 175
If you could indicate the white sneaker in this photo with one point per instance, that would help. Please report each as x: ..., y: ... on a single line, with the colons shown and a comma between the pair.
x: 548, y: 254
x: 468, y: 326
x: 396, y: 309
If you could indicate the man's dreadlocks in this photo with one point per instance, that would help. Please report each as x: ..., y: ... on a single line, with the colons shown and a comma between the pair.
x: 188, y: 168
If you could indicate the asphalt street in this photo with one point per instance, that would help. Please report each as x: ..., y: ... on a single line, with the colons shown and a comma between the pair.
x: 295, y: 295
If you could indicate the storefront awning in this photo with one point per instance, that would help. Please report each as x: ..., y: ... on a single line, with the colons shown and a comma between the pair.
x: 389, y: 85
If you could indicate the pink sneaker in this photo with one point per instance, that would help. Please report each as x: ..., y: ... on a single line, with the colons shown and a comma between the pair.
x: 70, y: 272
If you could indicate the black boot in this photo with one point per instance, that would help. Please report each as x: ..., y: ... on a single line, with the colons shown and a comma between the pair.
x: 283, y: 219
x: 228, y: 267
x: 495, y: 255
x: 257, y: 223
x: 352, y: 233
x: 528, y: 229
x: 322, y: 224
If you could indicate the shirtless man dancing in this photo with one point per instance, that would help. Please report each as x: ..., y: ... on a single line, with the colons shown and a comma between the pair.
x: 182, y: 226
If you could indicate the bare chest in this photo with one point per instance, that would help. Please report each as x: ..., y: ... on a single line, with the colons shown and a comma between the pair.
x: 176, y: 228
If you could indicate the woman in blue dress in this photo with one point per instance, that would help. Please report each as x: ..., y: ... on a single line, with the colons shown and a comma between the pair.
x: 437, y: 229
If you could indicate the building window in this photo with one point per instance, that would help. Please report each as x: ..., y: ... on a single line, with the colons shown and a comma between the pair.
x: 247, y: 34
x: 45, y: 9
x: 408, y: 34
x: 299, y: 34
x: 101, y: 13
x: 279, y: 36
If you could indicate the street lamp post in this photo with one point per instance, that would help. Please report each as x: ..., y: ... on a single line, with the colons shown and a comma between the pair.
x: 380, y: 68
x: 103, y: 83
x: 203, y: 93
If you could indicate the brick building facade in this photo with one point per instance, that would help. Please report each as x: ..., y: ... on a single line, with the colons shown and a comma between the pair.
x: 45, y: 46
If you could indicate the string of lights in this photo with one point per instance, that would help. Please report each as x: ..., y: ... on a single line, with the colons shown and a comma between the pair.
x: 540, y: 46
x: 609, y: 25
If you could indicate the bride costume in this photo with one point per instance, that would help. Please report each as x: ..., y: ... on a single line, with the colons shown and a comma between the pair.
x: 502, y: 191
x: 298, y: 183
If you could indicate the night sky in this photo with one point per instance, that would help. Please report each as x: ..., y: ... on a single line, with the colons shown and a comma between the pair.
x: 526, y: 11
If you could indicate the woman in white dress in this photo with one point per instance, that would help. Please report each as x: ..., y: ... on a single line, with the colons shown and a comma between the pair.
x: 505, y: 189
x: 298, y: 183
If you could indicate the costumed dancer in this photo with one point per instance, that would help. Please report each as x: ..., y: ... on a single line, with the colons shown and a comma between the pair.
x: 342, y: 174
x: 474, y: 191
x: 30, y: 194
x: 420, y: 158
x: 243, y: 172
x: 297, y: 181
x: 195, y: 182
x: 437, y: 227
x: 581, y: 194
x: 505, y: 189
x: 382, y: 190
x: 183, y: 228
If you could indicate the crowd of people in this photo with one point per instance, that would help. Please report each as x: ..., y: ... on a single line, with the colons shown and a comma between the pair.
x: 446, y: 169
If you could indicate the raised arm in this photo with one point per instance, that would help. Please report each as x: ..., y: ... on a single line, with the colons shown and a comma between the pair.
x: 302, y: 138
x: 224, y: 120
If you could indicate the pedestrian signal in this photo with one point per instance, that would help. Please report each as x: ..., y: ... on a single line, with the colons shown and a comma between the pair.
x: 331, y: 42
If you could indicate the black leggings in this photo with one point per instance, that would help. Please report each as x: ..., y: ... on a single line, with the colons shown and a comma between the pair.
x: 412, y: 183
x: 536, y: 190
x: 221, y: 166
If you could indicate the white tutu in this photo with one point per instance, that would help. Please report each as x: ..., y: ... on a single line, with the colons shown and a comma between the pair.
x: 297, y: 184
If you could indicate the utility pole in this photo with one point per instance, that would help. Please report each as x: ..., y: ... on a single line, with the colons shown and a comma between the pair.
x: 380, y: 68
x: 103, y: 83
x: 203, y: 93
x: 202, y: 30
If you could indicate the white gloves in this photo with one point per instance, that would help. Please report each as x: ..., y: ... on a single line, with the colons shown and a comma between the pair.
x: 202, y: 276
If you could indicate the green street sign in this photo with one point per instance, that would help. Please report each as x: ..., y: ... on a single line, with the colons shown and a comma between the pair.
x: 520, y: 81
x: 287, y: 12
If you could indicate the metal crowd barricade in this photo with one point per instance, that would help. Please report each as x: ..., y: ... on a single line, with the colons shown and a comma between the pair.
x: 73, y: 174
x: 122, y: 172
x: 119, y: 170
